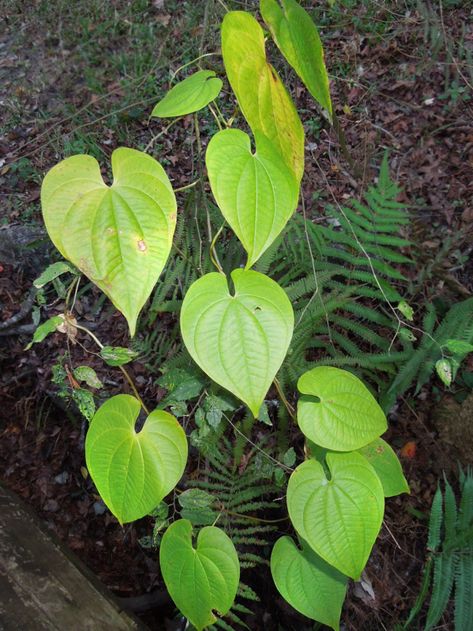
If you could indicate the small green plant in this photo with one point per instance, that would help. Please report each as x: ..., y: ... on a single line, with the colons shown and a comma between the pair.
x: 450, y: 557
x: 237, y: 328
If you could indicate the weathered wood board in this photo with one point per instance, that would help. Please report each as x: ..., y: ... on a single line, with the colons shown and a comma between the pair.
x: 43, y: 586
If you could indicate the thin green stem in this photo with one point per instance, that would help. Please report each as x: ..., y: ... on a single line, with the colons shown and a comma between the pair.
x: 123, y: 370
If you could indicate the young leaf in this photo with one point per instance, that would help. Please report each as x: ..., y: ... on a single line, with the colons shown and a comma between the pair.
x: 52, y: 272
x: 87, y: 374
x: 339, y: 518
x: 256, y: 192
x: 262, y: 97
x: 444, y: 371
x: 239, y: 340
x: 119, y: 236
x: 117, y: 355
x: 44, y: 330
x: 387, y: 466
x: 132, y: 470
x: 190, y: 95
x: 298, y: 39
x: 201, y: 579
x: 345, y: 417
x: 84, y: 399
x: 307, y: 582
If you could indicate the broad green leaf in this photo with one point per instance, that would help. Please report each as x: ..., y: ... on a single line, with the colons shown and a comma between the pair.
x: 256, y: 192
x: 387, y: 466
x: 117, y: 355
x: 262, y: 97
x: 45, y: 329
x: 52, y: 272
x: 459, y: 347
x: 298, y: 39
x: 119, y: 236
x: 347, y: 416
x: 190, y: 95
x: 240, y: 339
x: 133, y: 470
x: 307, y: 582
x: 201, y: 579
x: 339, y: 518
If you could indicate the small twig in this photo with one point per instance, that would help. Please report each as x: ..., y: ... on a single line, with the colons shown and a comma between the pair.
x: 22, y: 313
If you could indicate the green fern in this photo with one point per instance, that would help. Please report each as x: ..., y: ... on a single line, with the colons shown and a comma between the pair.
x: 240, y: 493
x: 450, y: 564
x: 457, y: 324
x: 341, y: 277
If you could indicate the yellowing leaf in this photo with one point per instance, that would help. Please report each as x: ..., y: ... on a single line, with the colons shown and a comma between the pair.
x: 120, y: 235
x: 262, y: 97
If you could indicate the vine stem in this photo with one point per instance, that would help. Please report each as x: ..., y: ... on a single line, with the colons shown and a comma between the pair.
x: 343, y: 145
x: 123, y: 370
x: 286, y: 403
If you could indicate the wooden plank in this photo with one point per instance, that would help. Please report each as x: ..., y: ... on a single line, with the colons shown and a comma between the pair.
x: 43, y: 586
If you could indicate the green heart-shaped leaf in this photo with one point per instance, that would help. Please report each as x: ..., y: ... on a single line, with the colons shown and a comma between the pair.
x: 190, y: 95
x: 307, y: 582
x: 262, y: 97
x: 297, y: 38
x: 387, y: 466
x: 200, y: 579
x: 119, y: 236
x: 239, y: 340
x: 256, y: 192
x: 339, y: 518
x: 347, y: 415
x: 134, y: 471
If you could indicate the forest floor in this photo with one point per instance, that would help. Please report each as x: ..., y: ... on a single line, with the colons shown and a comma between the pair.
x: 82, y: 77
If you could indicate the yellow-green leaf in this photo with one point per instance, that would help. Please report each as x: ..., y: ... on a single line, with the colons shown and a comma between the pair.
x: 339, y: 517
x: 133, y: 471
x: 256, y: 192
x: 190, y: 95
x: 298, y: 39
x: 262, y: 97
x: 240, y: 340
x: 119, y: 236
x: 200, y: 579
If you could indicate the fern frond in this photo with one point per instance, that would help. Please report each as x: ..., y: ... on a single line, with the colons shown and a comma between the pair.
x: 441, y: 588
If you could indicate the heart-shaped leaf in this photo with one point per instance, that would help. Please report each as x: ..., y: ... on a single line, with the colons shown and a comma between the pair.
x: 119, y: 236
x: 239, y: 340
x: 387, y: 466
x: 263, y: 99
x: 297, y: 38
x: 339, y: 518
x: 345, y: 417
x: 256, y: 192
x: 132, y: 470
x: 190, y: 95
x: 200, y: 579
x: 307, y: 582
